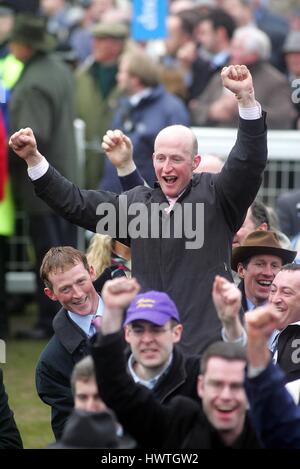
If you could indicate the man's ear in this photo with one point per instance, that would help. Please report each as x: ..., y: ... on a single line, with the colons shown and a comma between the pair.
x: 92, y: 273
x: 200, y: 385
x: 262, y: 227
x: 177, y: 331
x: 196, y: 162
x: 126, y: 334
x: 50, y: 294
x: 241, y: 270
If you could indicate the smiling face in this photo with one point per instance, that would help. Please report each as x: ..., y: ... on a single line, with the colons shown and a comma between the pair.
x: 74, y: 289
x: 224, y: 401
x: 151, y: 345
x: 174, y: 159
x: 285, y: 295
x: 258, y: 276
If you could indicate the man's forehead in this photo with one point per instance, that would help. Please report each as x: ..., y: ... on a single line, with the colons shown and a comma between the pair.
x: 266, y: 258
x: 220, y: 365
x: 288, y: 278
x: 174, y: 132
x: 59, y: 271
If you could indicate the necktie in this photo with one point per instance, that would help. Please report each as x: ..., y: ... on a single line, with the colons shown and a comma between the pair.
x: 96, y: 322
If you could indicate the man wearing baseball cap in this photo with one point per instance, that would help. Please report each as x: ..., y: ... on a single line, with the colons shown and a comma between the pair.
x: 152, y: 328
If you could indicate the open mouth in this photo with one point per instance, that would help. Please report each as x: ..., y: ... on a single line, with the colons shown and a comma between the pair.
x: 225, y: 411
x: 80, y: 302
x: 149, y: 351
x: 264, y: 283
x: 170, y: 179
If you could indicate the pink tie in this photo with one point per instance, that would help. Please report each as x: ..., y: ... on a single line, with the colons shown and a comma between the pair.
x: 96, y: 321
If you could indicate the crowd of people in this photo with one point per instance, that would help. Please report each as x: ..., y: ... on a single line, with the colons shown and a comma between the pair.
x: 170, y: 331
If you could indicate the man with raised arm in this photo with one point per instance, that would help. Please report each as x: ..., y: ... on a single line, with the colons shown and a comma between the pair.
x: 181, y: 231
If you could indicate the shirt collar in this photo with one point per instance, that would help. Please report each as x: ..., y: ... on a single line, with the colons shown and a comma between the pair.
x: 250, y: 305
x: 150, y: 384
x: 136, y: 98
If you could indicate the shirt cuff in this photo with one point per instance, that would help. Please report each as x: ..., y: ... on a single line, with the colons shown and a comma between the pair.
x: 250, y: 113
x: 37, y: 171
x: 253, y: 372
x: 122, y: 172
x: 242, y: 340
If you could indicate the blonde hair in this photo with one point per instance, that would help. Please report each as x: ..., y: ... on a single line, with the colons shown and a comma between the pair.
x: 99, y: 252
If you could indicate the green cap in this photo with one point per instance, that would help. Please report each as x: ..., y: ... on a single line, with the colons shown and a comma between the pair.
x: 112, y: 30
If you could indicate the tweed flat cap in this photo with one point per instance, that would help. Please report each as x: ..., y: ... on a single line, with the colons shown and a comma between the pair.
x: 113, y: 30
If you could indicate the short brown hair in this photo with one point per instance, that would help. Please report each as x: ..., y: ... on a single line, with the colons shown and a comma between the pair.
x: 60, y: 259
x: 84, y: 370
x: 142, y: 66
x: 227, y: 350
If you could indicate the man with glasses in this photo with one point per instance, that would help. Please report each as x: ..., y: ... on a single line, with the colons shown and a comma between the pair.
x: 221, y: 422
x: 152, y: 329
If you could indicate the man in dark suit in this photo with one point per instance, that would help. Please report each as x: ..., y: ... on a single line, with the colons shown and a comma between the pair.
x: 215, y: 204
x: 68, y: 279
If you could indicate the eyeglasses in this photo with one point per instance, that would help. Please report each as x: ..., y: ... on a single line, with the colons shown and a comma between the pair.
x: 154, y: 330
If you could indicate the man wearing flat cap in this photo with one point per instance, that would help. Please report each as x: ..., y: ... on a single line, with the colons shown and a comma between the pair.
x: 257, y: 261
x: 97, y: 94
x: 42, y: 98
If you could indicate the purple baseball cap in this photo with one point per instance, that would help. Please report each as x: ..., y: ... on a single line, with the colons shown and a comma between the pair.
x: 153, y: 306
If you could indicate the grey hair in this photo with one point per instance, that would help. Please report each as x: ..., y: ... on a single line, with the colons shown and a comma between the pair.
x: 254, y: 40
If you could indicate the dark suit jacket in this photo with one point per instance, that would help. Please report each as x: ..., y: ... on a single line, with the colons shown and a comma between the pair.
x: 288, y: 211
x: 9, y: 434
x: 288, y: 347
x: 68, y: 345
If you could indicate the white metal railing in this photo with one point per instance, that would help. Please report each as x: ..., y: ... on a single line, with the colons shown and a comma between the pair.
x: 283, y: 167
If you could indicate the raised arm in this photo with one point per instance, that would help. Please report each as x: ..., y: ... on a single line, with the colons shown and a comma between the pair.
x: 227, y: 301
x: 239, y: 181
x: 117, y: 294
x: 118, y: 148
x: 238, y: 80
x: 275, y: 416
x: 24, y: 145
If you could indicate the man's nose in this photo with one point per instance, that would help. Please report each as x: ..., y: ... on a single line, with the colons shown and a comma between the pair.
x: 90, y: 405
x: 275, y: 297
x: 226, y: 392
x: 77, y: 291
x: 147, y: 336
x: 167, y: 165
x: 268, y: 270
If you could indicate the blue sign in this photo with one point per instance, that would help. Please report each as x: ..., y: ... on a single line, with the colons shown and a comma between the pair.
x: 149, y: 19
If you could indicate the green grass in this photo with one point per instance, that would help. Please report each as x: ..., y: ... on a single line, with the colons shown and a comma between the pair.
x: 31, y: 414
